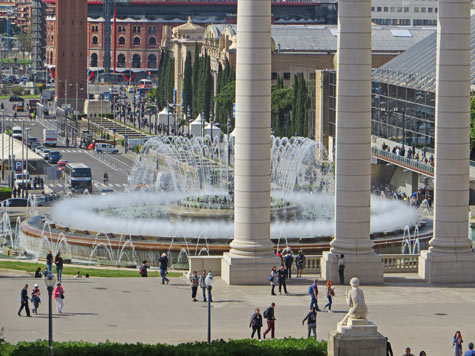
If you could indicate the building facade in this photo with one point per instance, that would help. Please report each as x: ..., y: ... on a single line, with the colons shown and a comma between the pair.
x: 404, y: 12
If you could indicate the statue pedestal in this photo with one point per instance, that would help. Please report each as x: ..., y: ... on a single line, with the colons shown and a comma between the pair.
x: 358, y: 337
x: 368, y: 268
x: 240, y: 270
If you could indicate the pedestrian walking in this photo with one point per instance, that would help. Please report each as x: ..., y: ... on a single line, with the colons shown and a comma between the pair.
x: 457, y: 343
x: 311, y: 319
x: 269, y: 315
x: 143, y: 268
x: 470, y: 351
x: 49, y: 261
x: 313, y: 290
x: 209, y: 288
x: 58, y: 261
x: 163, y: 268
x: 203, y: 284
x: 256, y: 324
x: 288, y: 261
x: 282, y: 275
x: 58, y: 296
x: 35, y: 298
x: 24, y: 301
x: 330, y: 295
x: 341, y: 269
x: 274, y: 279
x: 300, y: 263
x: 389, y: 349
x: 195, y: 282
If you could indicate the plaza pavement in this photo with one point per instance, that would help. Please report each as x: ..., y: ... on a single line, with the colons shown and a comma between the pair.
x: 406, y: 309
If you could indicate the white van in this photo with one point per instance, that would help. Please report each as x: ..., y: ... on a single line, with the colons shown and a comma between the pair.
x: 106, y: 148
x: 17, y: 133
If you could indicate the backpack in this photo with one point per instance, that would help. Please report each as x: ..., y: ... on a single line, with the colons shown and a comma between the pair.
x: 310, y: 289
x: 266, y: 313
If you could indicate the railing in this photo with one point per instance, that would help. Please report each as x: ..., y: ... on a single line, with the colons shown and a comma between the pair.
x: 403, y: 161
x: 110, y: 161
x: 400, y: 263
x: 392, y: 263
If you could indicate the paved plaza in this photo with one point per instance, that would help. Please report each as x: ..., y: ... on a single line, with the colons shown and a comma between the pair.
x: 406, y: 309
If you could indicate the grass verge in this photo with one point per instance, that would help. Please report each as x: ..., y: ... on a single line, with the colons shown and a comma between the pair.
x: 68, y: 270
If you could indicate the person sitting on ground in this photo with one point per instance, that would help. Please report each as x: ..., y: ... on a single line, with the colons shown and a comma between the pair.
x: 38, y: 273
x: 78, y: 274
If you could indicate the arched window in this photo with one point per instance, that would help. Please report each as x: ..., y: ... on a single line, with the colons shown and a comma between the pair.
x: 94, y: 60
x: 121, y: 61
x: 95, y: 40
x: 136, y: 61
x: 136, y: 41
x: 152, y: 61
x: 152, y: 41
x: 121, y: 41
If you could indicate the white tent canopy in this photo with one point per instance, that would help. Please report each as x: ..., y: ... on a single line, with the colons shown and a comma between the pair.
x: 164, y: 117
x: 196, y: 127
x: 215, y: 130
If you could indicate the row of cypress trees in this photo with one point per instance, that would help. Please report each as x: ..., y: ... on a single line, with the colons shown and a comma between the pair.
x: 290, y: 104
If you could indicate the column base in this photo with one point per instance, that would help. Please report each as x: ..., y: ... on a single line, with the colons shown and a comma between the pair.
x: 369, y: 268
x: 447, y: 268
x: 238, y: 270
x: 360, y: 339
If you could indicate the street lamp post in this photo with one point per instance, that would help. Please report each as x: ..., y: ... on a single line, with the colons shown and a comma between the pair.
x: 3, y: 146
x: 209, y: 285
x: 50, y: 282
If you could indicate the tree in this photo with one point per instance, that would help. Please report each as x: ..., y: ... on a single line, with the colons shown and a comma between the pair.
x: 196, y: 69
x: 25, y: 42
x: 281, y: 102
x: 224, y: 102
x: 187, y: 83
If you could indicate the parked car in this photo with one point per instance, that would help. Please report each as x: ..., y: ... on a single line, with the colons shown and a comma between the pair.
x: 15, y: 202
x: 45, y: 200
x: 16, y: 98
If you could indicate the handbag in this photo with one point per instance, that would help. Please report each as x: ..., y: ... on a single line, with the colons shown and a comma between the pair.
x: 270, y: 278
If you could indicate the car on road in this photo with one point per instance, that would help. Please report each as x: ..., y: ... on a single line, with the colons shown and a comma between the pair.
x: 34, y: 145
x: 45, y: 200
x: 106, y: 148
x: 15, y: 98
x: 105, y: 191
x: 61, y: 163
x: 17, y: 133
x: 131, y: 89
x: 54, y: 156
x: 38, y: 149
x: 45, y: 153
x: 19, y: 107
x: 15, y: 202
x: 31, y: 140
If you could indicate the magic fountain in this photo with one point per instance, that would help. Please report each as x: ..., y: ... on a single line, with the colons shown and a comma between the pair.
x: 180, y: 199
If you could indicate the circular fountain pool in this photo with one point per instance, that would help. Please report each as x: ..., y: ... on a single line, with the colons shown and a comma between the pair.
x: 180, y: 195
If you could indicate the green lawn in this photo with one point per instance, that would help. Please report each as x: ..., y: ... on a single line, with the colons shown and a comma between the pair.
x: 93, y: 272
x: 23, y: 96
x: 18, y: 61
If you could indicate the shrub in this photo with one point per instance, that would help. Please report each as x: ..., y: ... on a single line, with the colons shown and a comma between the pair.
x: 5, y: 193
x: 17, y: 90
x: 283, y: 347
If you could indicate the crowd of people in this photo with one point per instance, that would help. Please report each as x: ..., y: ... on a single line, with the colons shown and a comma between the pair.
x: 410, y: 153
x: 256, y: 323
x: 422, y: 198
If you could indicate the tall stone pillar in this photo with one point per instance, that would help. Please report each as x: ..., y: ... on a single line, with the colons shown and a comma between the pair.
x: 353, y: 149
x: 251, y: 256
x: 450, y: 258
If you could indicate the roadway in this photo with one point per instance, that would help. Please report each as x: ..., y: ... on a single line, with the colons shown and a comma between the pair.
x: 117, y: 180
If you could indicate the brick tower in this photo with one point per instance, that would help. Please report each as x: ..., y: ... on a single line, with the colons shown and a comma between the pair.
x: 70, y: 40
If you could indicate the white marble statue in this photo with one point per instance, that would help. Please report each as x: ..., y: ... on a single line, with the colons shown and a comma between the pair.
x: 355, y: 300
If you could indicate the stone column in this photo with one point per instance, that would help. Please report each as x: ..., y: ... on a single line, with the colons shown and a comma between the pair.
x: 251, y: 256
x: 353, y: 149
x: 450, y: 258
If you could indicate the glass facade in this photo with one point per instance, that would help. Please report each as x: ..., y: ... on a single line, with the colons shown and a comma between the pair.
x: 400, y: 114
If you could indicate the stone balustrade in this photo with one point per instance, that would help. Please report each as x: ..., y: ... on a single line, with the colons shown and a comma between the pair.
x: 393, y: 263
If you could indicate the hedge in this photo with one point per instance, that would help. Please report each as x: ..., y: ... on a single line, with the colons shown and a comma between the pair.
x: 282, y: 347
x: 5, y: 193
